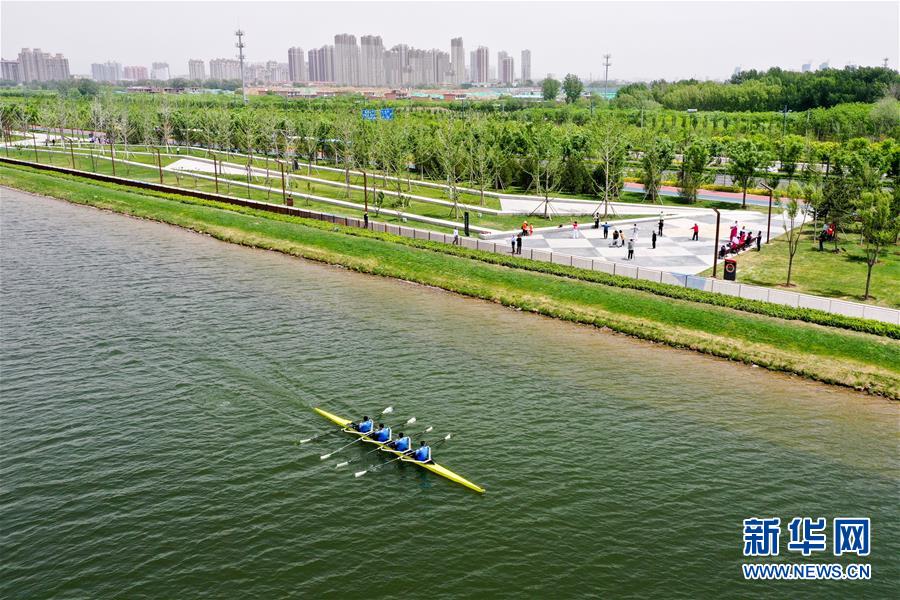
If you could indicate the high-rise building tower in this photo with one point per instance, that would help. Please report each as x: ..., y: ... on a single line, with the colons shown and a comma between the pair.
x: 109, y: 71
x: 346, y: 59
x: 297, y: 64
x: 371, y: 60
x: 133, y: 73
x: 35, y: 65
x: 160, y: 71
x: 225, y: 69
x: 196, y: 70
x: 321, y: 64
x: 481, y: 65
x: 506, y: 69
x: 10, y: 70
x: 457, y: 61
x: 526, y: 65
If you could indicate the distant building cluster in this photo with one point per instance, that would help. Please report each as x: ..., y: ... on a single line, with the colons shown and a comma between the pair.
x: 368, y: 63
x: 348, y: 62
x: 36, y: 66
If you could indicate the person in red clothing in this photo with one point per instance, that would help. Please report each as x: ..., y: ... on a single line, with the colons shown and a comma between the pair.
x: 696, y: 230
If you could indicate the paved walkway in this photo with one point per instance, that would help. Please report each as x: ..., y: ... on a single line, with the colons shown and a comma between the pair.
x: 675, y: 252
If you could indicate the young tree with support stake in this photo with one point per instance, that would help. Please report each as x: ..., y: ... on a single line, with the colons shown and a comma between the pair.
x: 794, y: 229
x: 659, y: 152
x: 451, y: 156
x: 695, y: 159
x: 880, y: 223
x: 610, y: 149
x: 543, y: 162
x: 483, y: 155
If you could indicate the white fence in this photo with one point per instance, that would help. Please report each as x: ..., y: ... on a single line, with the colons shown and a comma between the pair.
x: 729, y: 288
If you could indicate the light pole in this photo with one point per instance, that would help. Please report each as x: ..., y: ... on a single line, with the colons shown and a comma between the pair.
x: 769, y: 220
x: 716, y: 244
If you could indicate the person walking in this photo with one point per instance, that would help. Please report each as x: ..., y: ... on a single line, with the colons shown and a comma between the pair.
x: 519, y: 244
x: 621, y: 237
x: 696, y: 230
x: 455, y: 236
x: 605, y: 229
x: 758, y: 241
x: 660, y: 224
x: 596, y: 220
x: 574, y: 230
x: 512, y: 243
x: 653, y: 240
x: 634, y: 231
x: 630, y: 249
x: 615, y: 241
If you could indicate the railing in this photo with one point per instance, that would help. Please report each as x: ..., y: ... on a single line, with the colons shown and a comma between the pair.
x: 749, y: 292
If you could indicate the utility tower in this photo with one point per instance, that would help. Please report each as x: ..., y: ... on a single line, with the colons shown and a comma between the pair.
x: 606, y: 65
x: 240, y: 46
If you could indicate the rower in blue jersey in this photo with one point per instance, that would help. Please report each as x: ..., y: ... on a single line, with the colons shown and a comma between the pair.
x: 422, y: 453
x: 364, y: 426
x: 382, y: 434
x: 401, y: 444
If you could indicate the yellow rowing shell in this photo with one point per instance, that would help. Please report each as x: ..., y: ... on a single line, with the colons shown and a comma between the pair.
x: 433, y: 467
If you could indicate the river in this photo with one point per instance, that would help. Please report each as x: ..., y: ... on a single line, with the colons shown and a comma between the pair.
x: 155, y: 384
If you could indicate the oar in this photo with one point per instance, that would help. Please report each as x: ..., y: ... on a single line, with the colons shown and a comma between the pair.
x: 361, y: 473
x: 386, y: 411
x: 353, y: 460
x: 326, y: 456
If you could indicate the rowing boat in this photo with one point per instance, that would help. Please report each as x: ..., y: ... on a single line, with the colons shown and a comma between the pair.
x: 433, y: 467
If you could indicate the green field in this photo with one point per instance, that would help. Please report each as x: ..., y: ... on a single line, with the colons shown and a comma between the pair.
x: 833, y: 274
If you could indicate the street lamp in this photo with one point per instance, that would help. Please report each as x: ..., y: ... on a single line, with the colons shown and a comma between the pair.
x: 716, y: 244
x: 769, y: 220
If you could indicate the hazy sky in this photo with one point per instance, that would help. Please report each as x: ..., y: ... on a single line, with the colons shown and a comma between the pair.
x: 647, y: 40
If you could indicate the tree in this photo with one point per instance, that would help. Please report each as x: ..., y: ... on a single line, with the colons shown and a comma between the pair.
x: 880, y: 226
x: 695, y: 160
x: 450, y: 154
x: 610, y: 149
x: 790, y: 150
x: 791, y: 211
x: 659, y: 152
x: 572, y: 88
x: 483, y: 155
x: 549, y: 89
x: 543, y: 161
x: 308, y: 130
x: 745, y: 158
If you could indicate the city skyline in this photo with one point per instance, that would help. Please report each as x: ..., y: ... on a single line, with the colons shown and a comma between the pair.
x: 710, y: 52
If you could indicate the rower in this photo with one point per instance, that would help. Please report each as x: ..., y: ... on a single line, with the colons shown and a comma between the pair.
x: 364, y: 426
x: 401, y: 444
x: 422, y: 453
x: 382, y: 434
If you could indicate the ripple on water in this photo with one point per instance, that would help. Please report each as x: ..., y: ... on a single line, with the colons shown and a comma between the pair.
x: 155, y: 384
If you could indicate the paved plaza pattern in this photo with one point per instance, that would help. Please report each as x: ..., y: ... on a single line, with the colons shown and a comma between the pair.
x: 675, y: 252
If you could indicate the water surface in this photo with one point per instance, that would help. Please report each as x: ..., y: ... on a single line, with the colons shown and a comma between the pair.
x: 155, y: 384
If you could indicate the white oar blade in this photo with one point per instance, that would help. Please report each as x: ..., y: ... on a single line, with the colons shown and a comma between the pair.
x: 388, y: 410
x: 342, y: 464
x: 325, y: 457
x: 429, y: 429
x: 411, y: 421
x: 360, y: 473
x: 306, y: 440
x: 447, y: 437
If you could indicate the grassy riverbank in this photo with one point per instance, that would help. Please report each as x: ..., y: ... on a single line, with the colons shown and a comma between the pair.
x: 827, y: 354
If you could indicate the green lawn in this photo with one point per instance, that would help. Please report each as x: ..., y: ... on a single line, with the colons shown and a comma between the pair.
x: 840, y: 274
x: 833, y: 355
